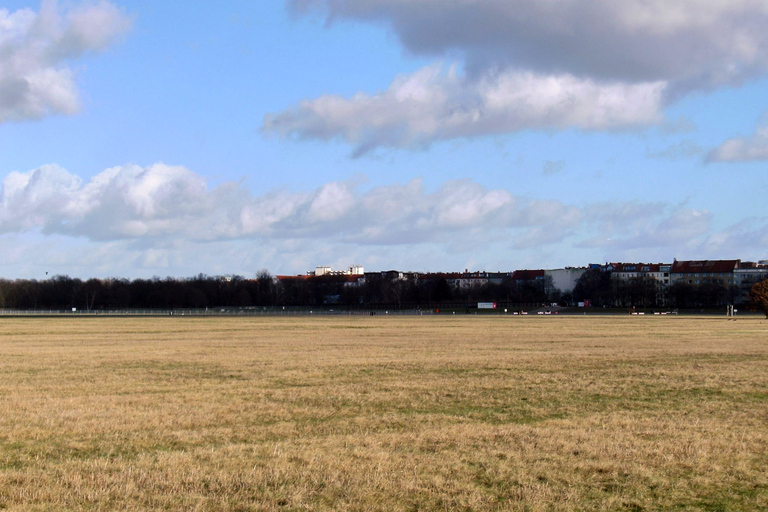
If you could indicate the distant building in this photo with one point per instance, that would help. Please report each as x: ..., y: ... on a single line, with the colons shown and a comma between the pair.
x: 681, y: 283
x: 746, y: 276
x: 529, y: 275
x: 354, y: 270
x: 711, y: 282
x: 636, y: 275
x: 452, y: 278
x: 469, y: 280
x: 704, y: 272
x: 661, y: 272
x: 565, y: 279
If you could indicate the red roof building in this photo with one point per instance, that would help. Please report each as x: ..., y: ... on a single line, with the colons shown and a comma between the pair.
x: 704, y: 271
x: 528, y: 275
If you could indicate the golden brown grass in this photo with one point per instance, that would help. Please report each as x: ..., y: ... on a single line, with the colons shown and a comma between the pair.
x: 395, y: 414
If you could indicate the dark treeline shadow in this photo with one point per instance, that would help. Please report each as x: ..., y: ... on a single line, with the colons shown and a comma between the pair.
x: 375, y: 290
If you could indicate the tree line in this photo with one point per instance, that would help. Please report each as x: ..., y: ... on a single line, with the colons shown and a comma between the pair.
x: 64, y: 292
x: 202, y: 291
x: 378, y: 290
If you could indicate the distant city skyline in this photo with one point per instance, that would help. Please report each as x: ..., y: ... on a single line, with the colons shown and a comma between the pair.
x: 146, y: 139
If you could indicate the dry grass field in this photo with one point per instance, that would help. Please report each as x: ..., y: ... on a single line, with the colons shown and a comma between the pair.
x: 392, y: 414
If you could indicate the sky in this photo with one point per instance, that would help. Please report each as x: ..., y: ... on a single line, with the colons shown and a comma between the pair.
x: 143, y: 138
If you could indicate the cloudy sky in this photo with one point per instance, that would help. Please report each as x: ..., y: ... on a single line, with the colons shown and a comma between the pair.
x: 141, y: 138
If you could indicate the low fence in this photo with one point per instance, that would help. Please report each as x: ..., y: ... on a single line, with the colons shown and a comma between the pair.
x: 209, y: 312
x: 289, y: 311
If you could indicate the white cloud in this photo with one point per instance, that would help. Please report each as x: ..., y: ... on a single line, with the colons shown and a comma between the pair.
x: 166, y: 219
x: 544, y: 65
x: 164, y: 202
x: 747, y: 149
x: 35, y: 47
x: 432, y: 105
x: 161, y: 202
x: 37, y: 198
x: 121, y: 202
x: 333, y: 201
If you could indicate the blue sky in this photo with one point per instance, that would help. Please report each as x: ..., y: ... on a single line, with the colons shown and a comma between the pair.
x: 144, y: 139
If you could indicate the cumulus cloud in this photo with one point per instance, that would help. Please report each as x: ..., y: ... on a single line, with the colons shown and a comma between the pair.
x: 162, y: 205
x: 746, y: 149
x: 162, y: 202
x: 553, y: 64
x: 432, y: 105
x: 35, y: 48
x: 154, y: 218
x: 132, y: 202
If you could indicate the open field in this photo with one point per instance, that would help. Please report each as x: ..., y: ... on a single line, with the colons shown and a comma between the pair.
x: 373, y: 413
